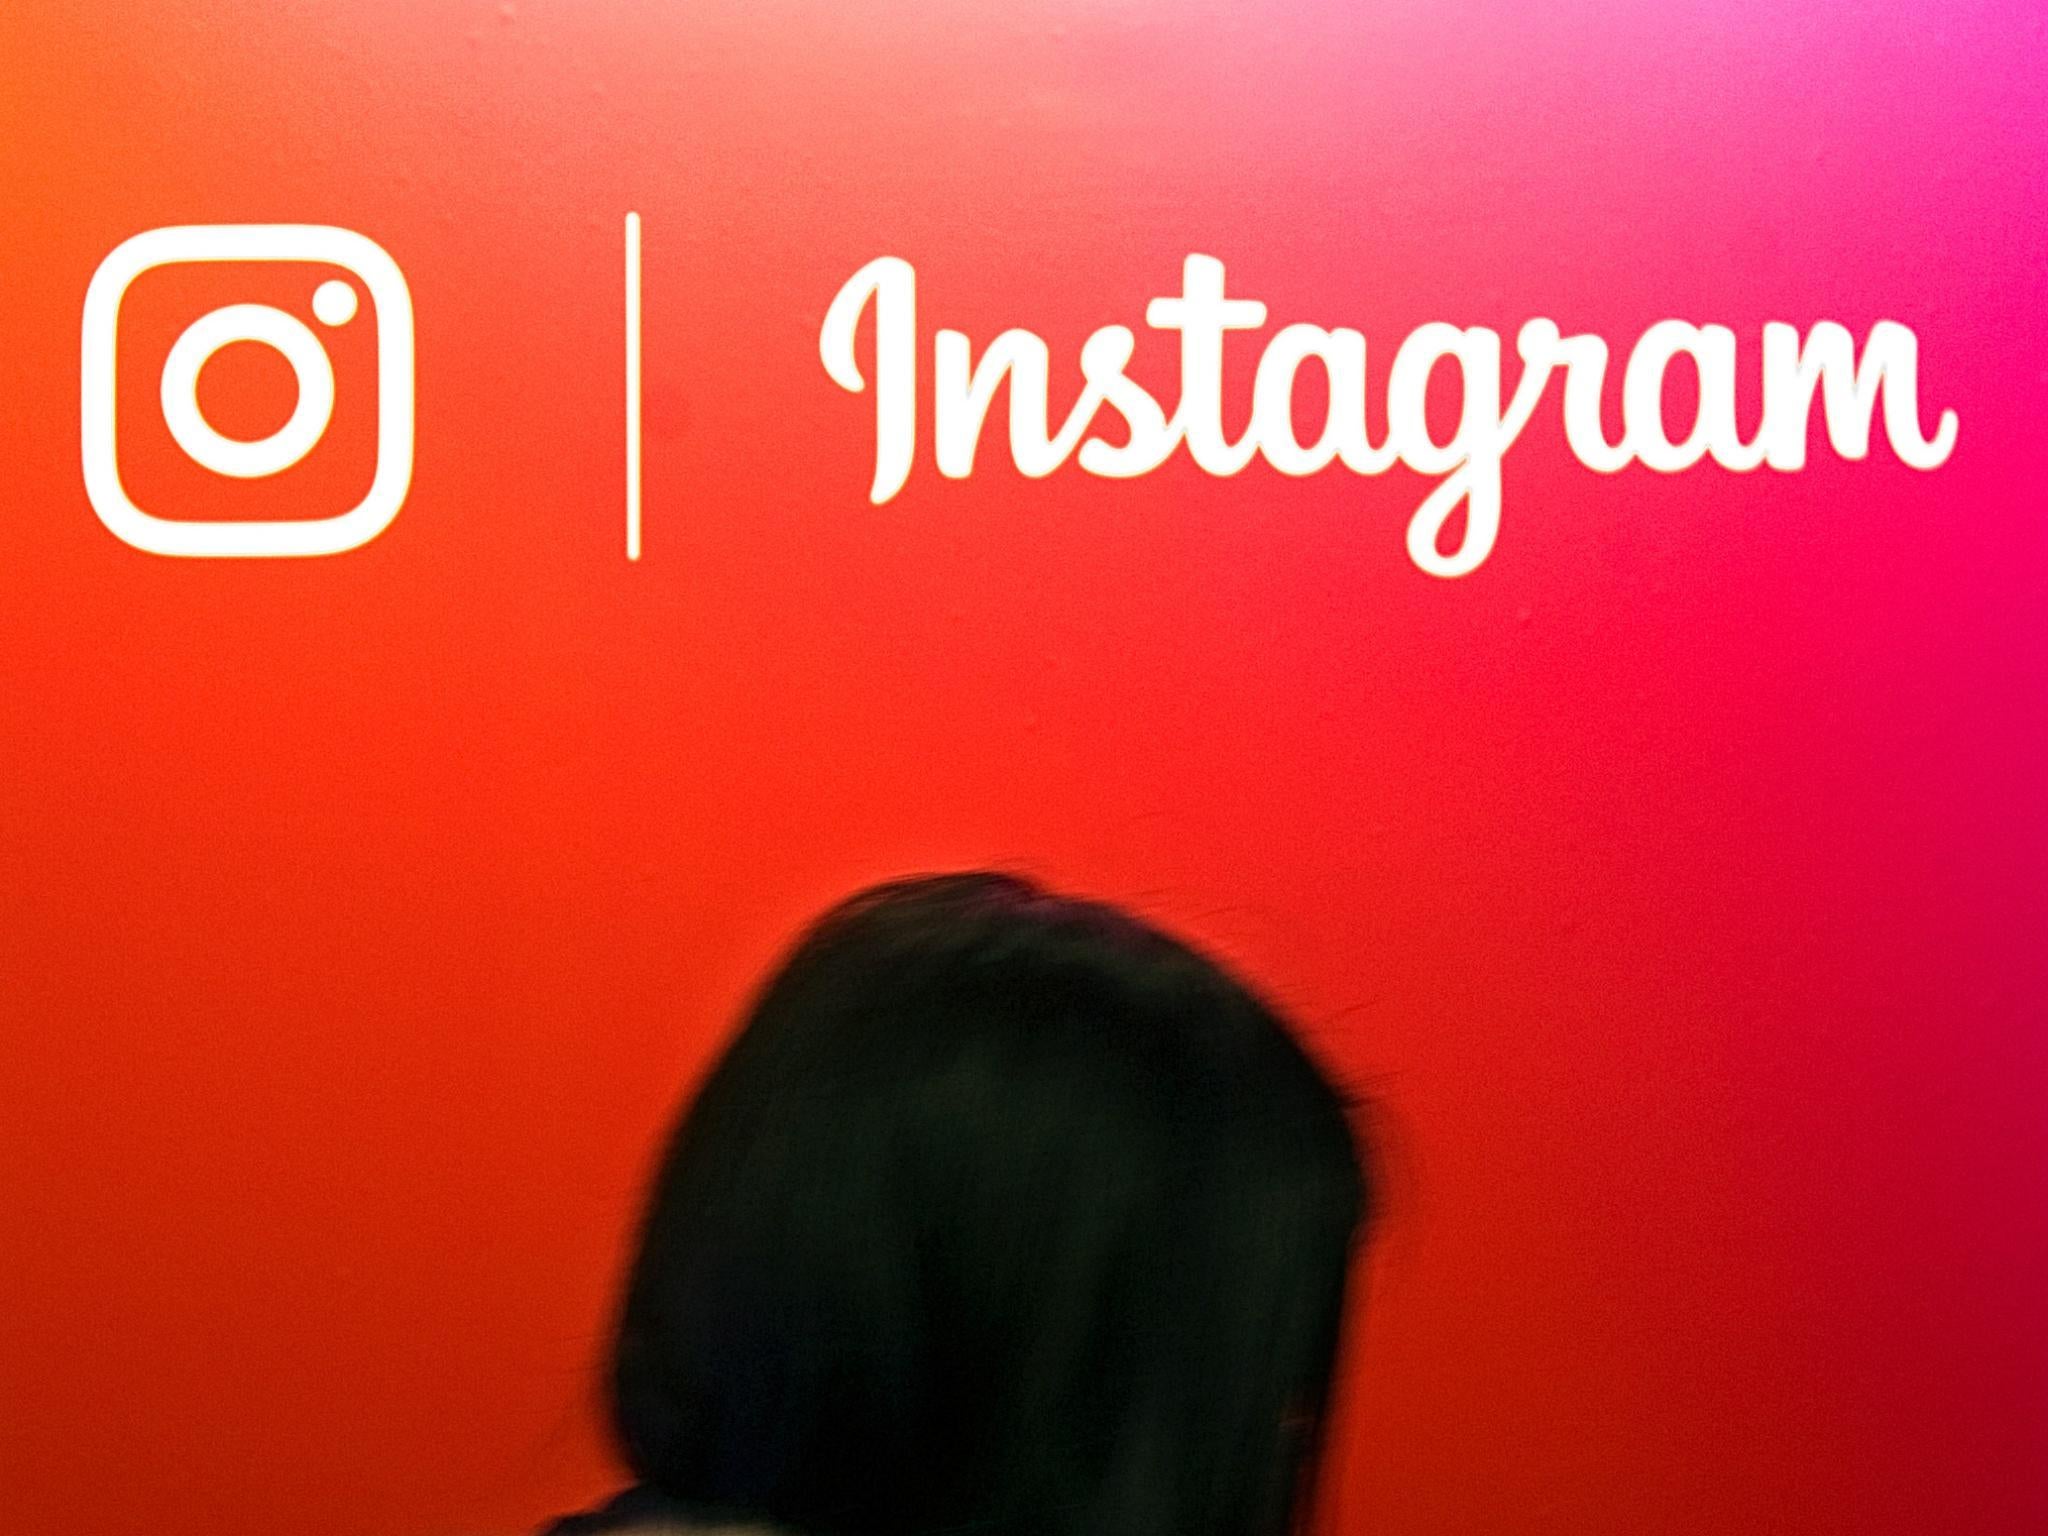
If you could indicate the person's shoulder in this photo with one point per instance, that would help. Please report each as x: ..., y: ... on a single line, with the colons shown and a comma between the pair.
x: 642, y: 1511
x: 636, y: 1511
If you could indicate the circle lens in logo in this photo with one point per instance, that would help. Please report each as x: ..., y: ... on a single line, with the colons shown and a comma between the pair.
x: 334, y: 304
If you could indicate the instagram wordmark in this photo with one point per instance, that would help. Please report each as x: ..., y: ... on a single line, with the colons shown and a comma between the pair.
x: 1469, y: 462
x: 333, y: 303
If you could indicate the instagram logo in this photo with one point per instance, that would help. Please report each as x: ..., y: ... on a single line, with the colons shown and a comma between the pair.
x: 333, y: 303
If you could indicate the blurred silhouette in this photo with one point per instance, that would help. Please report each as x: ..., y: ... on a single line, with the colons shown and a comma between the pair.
x: 1004, y: 1213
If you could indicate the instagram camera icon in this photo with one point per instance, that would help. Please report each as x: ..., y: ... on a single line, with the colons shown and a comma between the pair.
x: 334, y: 303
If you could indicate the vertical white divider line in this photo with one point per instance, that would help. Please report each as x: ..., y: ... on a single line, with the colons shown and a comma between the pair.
x: 632, y: 386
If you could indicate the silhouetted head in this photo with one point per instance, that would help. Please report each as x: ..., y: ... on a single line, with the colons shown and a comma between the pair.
x: 1004, y: 1213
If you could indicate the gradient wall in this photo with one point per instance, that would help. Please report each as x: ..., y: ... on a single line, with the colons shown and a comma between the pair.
x: 1677, y: 879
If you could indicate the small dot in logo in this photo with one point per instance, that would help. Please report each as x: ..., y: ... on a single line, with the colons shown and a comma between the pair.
x: 334, y: 302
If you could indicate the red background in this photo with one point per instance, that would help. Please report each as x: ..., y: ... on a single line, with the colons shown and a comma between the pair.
x: 1676, y: 879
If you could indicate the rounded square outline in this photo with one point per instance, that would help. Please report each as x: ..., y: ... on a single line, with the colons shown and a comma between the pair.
x: 98, y: 444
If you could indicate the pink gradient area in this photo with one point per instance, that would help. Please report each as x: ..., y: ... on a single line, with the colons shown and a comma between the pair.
x: 1675, y: 881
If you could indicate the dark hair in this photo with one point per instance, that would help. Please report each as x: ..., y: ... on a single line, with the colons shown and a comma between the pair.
x: 1004, y: 1213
